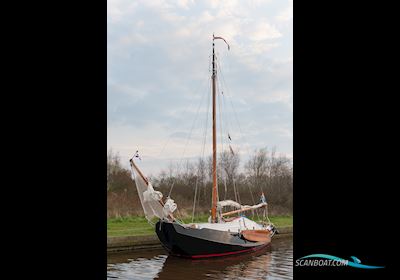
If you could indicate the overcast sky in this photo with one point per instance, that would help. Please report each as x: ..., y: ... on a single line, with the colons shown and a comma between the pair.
x: 158, y: 55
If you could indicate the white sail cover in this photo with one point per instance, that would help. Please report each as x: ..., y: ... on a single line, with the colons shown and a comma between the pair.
x: 259, y: 205
x: 169, y: 207
x: 224, y: 203
x: 149, y: 198
x: 238, y: 224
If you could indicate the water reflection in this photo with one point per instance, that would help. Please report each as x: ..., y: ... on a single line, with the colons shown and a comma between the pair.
x: 274, y: 262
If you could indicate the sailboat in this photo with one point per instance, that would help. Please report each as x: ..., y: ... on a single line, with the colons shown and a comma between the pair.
x: 223, y: 234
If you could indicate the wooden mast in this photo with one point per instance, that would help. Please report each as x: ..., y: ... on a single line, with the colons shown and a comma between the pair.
x: 214, y: 164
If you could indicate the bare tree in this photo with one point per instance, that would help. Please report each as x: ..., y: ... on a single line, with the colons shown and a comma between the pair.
x: 230, y: 165
x: 266, y: 170
x: 257, y: 167
x: 113, y: 167
x: 210, y: 168
x: 201, y: 171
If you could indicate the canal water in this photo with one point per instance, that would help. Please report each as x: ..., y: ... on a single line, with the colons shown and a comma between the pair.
x: 274, y: 262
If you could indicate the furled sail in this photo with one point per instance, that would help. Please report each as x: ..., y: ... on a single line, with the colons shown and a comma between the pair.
x: 241, y: 208
x: 224, y: 203
x: 150, y: 199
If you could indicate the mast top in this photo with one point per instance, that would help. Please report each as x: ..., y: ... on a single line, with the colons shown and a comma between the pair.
x: 216, y: 38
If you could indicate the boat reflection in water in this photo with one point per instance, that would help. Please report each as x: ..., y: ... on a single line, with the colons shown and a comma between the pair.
x: 251, y: 266
x: 273, y: 262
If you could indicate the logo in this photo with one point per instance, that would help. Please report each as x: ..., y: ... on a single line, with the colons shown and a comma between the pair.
x: 328, y: 260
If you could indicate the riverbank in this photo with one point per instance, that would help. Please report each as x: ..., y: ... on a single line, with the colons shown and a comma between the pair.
x: 138, y: 226
x: 135, y: 233
x: 145, y: 242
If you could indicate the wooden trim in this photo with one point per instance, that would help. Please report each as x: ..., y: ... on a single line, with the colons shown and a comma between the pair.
x: 240, y: 210
x: 257, y: 235
x: 139, y: 172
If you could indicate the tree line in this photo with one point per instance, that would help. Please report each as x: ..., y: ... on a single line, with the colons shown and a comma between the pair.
x: 264, y: 171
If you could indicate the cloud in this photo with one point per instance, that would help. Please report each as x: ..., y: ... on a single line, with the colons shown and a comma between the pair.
x: 263, y: 31
x: 287, y: 13
x: 158, y: 73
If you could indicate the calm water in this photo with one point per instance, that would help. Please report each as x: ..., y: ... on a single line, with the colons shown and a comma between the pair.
x: 271, y: 263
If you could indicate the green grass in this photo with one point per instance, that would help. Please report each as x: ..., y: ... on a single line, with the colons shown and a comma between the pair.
x: 127, y: 226
x: 138, y: 226
x: 282, y: 221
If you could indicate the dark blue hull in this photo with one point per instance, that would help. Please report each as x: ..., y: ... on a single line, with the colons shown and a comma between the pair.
x: 203, y: 243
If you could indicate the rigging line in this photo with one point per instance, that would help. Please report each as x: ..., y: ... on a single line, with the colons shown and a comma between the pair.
x: 221, y: 138
x: 216, y: 92
x: 188, y: 139
x: 194, y: 200
x: 193, y: 124
x: 223, y: 132
x: 204, y: 142
x: 251, y: 194
x: 222, y: 103
x: 180, y: 215
x: 202, y: 156
x: 219, y: 128
x: 235, y: 191
x: 227, y: 125
x: 237, y: 120
x: 206, y: 125
x: 227, y: 117
x: 223, y: 80
x: 193, y: 100
x: 165, y: 145
x: 234, y: 111
x: 224, y: 117
x: 238, y: 194
x: 198, y: 171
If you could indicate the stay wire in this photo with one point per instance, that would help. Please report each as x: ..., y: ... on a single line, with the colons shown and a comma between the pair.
x: 202, y: 156
x: 224, y: 116
x: 242, y: 134
x: 188, y: 139
x: 238, y: 123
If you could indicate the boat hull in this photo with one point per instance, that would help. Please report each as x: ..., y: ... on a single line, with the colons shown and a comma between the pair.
x: 203, y: 243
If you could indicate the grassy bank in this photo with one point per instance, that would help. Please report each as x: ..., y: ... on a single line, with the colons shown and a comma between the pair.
x: 137, y: 225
